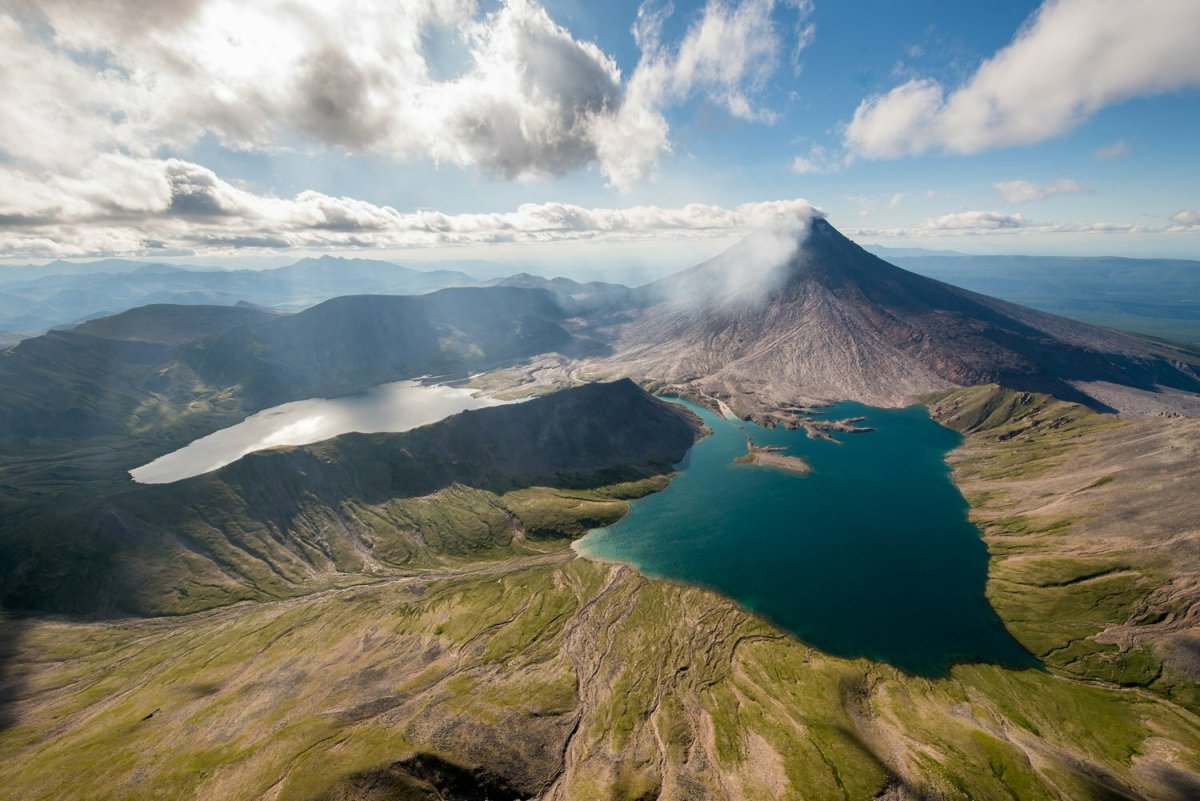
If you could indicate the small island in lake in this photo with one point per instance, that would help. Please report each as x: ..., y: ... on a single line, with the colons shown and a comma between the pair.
x: 772, y: 456
x: 793, y: 417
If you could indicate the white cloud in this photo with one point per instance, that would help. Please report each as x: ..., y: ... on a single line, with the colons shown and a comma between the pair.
x: 869, y: 205
x: 866, y: 205
x: 974, y: 221
x: 1071, y: 59
x: 989, y: 223
x: 1117, y: 150
x: 1187, y: 220
x: 175, y: 204
x: 817, y: 162
x: 802, y: 165
x: 726, y: 56
x: 82, y: 78
x: 1028, y: 191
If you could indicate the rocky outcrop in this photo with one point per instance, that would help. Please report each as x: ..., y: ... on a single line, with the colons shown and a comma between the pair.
x: 773, y: 456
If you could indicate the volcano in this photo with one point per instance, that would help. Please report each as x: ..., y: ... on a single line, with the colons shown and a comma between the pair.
x: 798, y: 313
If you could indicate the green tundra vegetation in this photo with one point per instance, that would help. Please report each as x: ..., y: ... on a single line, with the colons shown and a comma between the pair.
x: 483, y: 658
x: 1083, y: 569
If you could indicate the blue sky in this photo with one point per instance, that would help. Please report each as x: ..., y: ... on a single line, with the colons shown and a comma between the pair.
x: 1011, y: 127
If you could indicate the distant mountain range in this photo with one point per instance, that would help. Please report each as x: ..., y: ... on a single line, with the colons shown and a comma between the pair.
x: 825, y: 321
x: 58, y: 294
x: 136, y: 372
x: 1155, y: 297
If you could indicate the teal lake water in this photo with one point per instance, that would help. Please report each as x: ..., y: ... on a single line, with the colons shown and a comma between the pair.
x: 870, y: 555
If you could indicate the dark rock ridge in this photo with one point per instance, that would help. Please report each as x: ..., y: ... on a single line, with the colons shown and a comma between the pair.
x: 584, y: 436
x: 172, y: 324
x: 835, y: 322
x: 270, y: 523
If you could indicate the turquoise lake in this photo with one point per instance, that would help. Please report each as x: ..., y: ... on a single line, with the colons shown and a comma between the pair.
x: 870, y: 555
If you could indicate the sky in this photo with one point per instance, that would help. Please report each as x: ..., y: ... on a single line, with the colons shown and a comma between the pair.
x: 569, y: 132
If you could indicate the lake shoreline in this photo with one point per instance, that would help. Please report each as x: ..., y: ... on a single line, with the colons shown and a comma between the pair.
x: 393, y: 407
x: 871, y: 556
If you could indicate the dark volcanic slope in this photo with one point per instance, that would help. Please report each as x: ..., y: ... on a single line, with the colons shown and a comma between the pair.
x: 835, y: 322
x: 172, y: 324
x: 272, y: 522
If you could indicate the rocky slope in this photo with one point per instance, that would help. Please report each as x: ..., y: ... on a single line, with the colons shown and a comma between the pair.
x: 788, y: 316
x: 549, y: 678
x: 1093, y: 530
x: 279, y: 522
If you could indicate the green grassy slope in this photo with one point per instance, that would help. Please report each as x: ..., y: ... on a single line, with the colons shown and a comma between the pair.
x: 482, y: 659
x: 1094, y: 567
x: 350, y: 343
x: 286, y: 521
x: 565, y: 679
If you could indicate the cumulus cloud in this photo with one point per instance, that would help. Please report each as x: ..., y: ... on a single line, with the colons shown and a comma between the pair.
x: 1071, y: 59
x: 1028, y: 191
x: 529, y: 99
x: 726, y: 56
x: 174, y: 204
x: 802, y: 165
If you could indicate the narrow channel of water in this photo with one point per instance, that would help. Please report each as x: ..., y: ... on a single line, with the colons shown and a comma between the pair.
x: 871, y: 554
x: 398, y: 406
